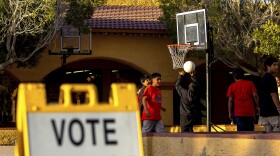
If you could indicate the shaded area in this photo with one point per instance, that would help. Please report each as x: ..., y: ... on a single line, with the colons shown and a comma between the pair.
x: 100, y: 72
x: 8, y: 97
x: 220, y: 81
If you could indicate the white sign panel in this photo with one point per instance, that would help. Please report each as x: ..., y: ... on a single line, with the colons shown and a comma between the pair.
x: 83, y: 134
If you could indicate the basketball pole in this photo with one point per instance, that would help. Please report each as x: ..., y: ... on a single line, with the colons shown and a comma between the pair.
x: 209, y: 59
x: 208, y: 126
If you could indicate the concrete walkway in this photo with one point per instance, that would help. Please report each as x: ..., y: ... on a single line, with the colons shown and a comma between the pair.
x: 7, y: 150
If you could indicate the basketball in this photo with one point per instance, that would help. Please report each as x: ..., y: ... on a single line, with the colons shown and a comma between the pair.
x: 189, y: 66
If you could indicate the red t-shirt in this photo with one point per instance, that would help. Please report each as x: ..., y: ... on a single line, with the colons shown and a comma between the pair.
x: 154, y: 100
x: 242, y: 93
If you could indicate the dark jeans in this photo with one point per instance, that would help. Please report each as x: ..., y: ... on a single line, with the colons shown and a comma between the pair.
x: 186, y: 122
x: 244, y: 123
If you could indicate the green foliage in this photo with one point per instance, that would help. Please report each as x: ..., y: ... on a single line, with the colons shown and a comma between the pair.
x: 27, y: 26
x: 37, y: 13
x: 169, y: 9
x: 232, y: 24
x: 2, y: 7
x: 23, y: 50
x: 79, y: 10
x: 267, y: 38
x: 23, y: 24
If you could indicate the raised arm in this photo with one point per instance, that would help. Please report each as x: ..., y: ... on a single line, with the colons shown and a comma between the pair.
x: 179, y: 84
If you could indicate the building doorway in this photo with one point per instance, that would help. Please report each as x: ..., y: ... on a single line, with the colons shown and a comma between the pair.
x: 8, y: 99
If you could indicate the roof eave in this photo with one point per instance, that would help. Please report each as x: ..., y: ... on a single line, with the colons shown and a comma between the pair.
x: 129, y: 31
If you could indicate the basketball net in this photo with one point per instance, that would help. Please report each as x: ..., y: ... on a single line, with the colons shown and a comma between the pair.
x: 178, y: 52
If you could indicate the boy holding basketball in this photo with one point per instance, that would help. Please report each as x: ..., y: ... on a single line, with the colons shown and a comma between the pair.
x: 189, y: 98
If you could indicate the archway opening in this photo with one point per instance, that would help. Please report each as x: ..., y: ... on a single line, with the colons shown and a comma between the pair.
x: 8, y: 98
x: 100, y: 72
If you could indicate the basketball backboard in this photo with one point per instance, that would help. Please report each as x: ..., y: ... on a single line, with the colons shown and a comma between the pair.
x: 191, y: 28
x: 71, y: 39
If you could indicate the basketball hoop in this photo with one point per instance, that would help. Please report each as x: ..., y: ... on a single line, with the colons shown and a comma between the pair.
x: 178, y: 52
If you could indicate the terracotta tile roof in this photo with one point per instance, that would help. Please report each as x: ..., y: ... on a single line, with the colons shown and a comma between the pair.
x: 127, y: 17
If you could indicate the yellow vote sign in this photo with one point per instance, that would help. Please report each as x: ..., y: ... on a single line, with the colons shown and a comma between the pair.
x: 70, y: 129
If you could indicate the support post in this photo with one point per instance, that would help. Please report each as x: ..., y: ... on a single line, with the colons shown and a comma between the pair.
x: 209, y: 59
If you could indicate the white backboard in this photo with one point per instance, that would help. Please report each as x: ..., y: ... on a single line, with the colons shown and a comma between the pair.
x: 191, y: 28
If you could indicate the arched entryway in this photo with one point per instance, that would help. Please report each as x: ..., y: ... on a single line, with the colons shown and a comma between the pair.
x: 101, y: 72
x: 8, y: 97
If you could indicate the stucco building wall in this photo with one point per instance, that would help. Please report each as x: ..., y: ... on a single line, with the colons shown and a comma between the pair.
x: 145, y: 53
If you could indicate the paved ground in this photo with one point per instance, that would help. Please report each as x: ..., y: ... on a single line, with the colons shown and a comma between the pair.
x: 7, y: 150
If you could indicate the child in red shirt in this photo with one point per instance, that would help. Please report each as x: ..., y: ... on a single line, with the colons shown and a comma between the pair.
x: 242, y: 94
x: 152, y: 102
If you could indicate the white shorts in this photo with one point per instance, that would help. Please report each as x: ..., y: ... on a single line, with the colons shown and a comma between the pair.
x: 152, y: 126
x: 271, y: 123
